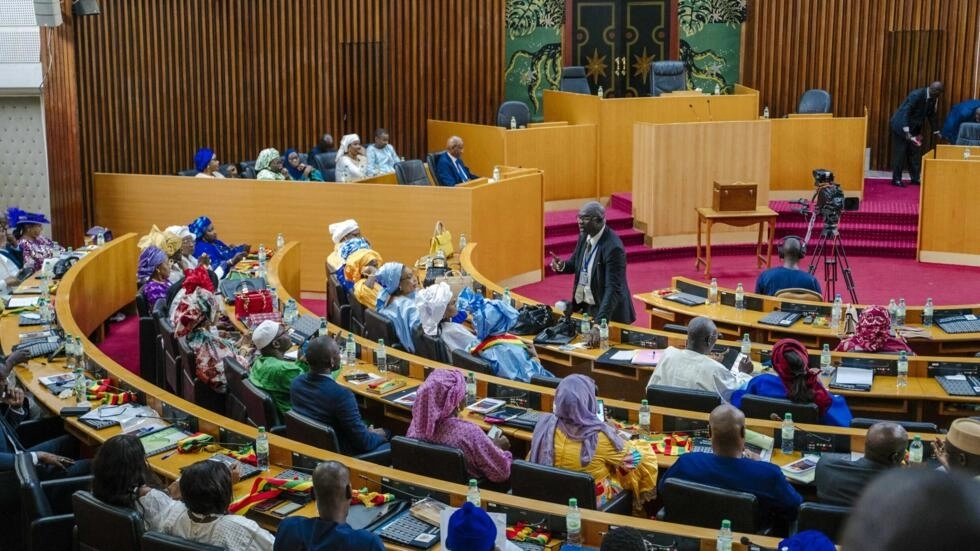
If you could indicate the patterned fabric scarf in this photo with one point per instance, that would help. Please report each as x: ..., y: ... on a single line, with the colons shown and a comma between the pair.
x: 438, y: 398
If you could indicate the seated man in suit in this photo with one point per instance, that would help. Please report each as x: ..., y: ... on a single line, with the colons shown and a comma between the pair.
x: 316, y: 395
x: 449, y: 169
x: 271, y: 371
x: 964, y: 111
x: 961, y: 451
x: 840, y: 481
x: 789, y: 275
x: 727, y: 468
x: 692, y: 368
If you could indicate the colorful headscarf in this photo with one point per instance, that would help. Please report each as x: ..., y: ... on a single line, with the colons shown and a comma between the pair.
x: 357, y: 261
x: 788, y: 378
x: 198, y: 277
x: 389, y: 277
x: 438, y: 398
x: 203, y: 158
x: 872, y: 331
x: 265, y: 158
x: 575, y: 416
x: 294, y: 173
x: 150, y: 258
x: 345, y: 143
x: 432, y: 302
x: 199, y: 227
x: 165, y: 240
x: 198, y: 303
x: 16, y: 217
x: 348, y: 247
x: 489, y: 317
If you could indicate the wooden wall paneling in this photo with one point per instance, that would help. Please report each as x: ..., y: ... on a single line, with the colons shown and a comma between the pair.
x: 947, y: 231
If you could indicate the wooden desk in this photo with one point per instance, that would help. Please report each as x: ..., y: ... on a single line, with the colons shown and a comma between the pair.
x: 708, y: 216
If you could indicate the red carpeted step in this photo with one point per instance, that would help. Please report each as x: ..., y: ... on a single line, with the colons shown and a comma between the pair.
x: 621, y: 201
x: 565, y: 222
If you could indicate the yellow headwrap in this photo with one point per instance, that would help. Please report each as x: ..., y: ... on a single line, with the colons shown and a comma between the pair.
x: 164, y: 240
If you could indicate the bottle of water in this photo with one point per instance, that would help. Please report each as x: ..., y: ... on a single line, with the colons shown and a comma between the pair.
x: 585, y: 325
x: 473, y: 493
x: 100, y: 238
x: 71, y: 359
x: 765, y: 112
x: 382, y: 357
x: 836, y: 313
x: 604, y: 335
x: 927, y: 312
x: 717, y: 90
x: 275, y: 299
x: 506, y: 296
x: 470, y: 388
x: 724, y: 542
x: 892, y: 311
x: 573, y: 519
x: 513, y: 123
x: 900, y: 312
x: 825, y: 368
x: 746, y: 346
x: 903, y: 370
x: 280, y: 241
x: 600, y: 93
x: 788, y: 434
x: 496, y: 173
x: 462, y: 242
x: 80, y: 388
x: 739, y: 297
x: 713, y: 291
x: 350, y: 350
x: 915, y: 450
x: 290, y: 312
x: 966, y: 154
x: 323, y: 328
x: 43, y: 309
x: 262, y: 450
x: 262, y: 258
x: 80, y: 354
x: 644, y: 417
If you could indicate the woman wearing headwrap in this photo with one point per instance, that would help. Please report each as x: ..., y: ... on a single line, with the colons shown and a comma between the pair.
x: 360, y: 266
x: 873, y: 334
x: 268, y: 166
x: 206, y: 163
x: 434, y: 419
x: 27, y: 229
x: 195, y: 319
x: 351, y: 162
x: 340, y: 233
x: 207, y: 243
x: 153, y: 274
x: 396, y: 300
x: 574, y: 438
x: 300, y: 172
x: 436, y: 307
x: 795, y: 381
x: 183, y: 259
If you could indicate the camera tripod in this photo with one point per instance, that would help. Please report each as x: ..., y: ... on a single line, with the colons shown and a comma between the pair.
x: 831, y: 250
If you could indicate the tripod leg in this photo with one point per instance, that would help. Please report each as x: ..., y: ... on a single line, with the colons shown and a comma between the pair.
x: 817, y: 252
x: 846, y: 270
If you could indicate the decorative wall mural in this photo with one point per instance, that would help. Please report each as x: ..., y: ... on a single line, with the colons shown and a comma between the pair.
x: 710, y: 41
x: 533, y: 50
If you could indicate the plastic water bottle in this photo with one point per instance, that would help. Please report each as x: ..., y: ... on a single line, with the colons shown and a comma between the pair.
x: 71, y: 359
x: 600, y: 93
x: 604, y: 335
x: 473, y: 493
x: 262, y: 449
x: 44, y: 309
x: 275, y: 299
x: 724, y: 542
x: 915, y: 450
x: 717, y: 90
x: 323, y: 328
x: 788, y: 434
x: 290, y: 312
x: 573, y: 519
x: 585, y: 325
x: 739, y: 297
x: 350, y: 350
x: 836, y: 313
x: 262, y: 258
x: 746, y: 345
x: 80, y: 388
x: 470, y: 388
x: 892, y: 311
x: 513, y: 123
x: 462, y: 242
x: 382, y: 357
x: 713, y: 291
x: 765, y: 112
x: 506, y: 296
x: 927, y: 313
x: 644, y: 417
x: 900, y: 312
x: 825, y: 367
x: 80, y: 354
x: 100, y: 238
x: 903, y: 370
x: 280, y: 241
x: 966, y: 154
x: 496, y: 173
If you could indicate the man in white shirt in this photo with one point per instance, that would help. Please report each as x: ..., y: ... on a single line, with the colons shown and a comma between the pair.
x: 691, y: 367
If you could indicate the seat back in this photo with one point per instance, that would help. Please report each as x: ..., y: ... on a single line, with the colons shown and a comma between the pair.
x: 909, y: 426
x: 33, y: 501
x: 551, y: 484
x: 828, y: 519
x: 667, y: 76
x: 193, y: 389
x: 247, y: 169
x: 762, y: 407
x: 428, y: 459
x: 464, y: 360
x: 260, y: 409
x: 675, y: 328
x: 544, y: 380
x: 338, y: 311
x: 411, y: 173
x: 516, y: 109
x: 234, y: 395
x: 308, y: 431
x: 150, y: 368
x: 573, y: 80
x: 327, y: 164
x: 376, y: 326
x: 429, y: 346
x: 188, y: 172
x: 797, y: 293
x: 357, y: 316
x: 814, y: 100
x: 682, y: 398
x: 173, y: 364
x: 103, y: 527
x: 969, y: 134
x: 696, y: 504
x: 432, y: 159
x: 158, y: 541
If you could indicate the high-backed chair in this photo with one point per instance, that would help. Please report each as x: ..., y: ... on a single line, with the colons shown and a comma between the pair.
x: 260, y: 408
x: 556, y: 485
x: 969, y: 134
x: 326, y: 163
x: 682, y: 398
x: 247, y: 170
x: 427, y: 459
x: 193, y: 389
x: 376, y: 326
x: 798, y: 293
x: 675, y: 328
x: 544, y: 380
x: 309, y: 431
x: 173, y: 364
x: 338, y: 303
x: 357, y: 316
x: 573, y: 80
x: 411, y: 173
x: 464, y: 360
x: 909, y: 426
x: 46, y: 523
x: 103, y: 527
x: 187, y: 172
x: 235, y: 390
x: 517, y: 110
x: 696, y: 504
x: 762, y: 407
x: 150, y: 360
x: 814, y: 100
x: 821, y: 517
x: 667, y: 76
x: 158, y: 541
x: 429, y: 346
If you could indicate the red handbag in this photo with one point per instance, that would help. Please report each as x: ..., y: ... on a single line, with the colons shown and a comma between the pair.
x: 253, y: 302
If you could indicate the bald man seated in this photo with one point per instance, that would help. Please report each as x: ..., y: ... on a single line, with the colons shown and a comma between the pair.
x: 450, y: 170
x: 726, y: 467
x: 332, y: 491
x: 840, y: 481
x: 692, y: 368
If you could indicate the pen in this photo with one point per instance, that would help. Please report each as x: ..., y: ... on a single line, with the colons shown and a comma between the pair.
x: 168, y: 455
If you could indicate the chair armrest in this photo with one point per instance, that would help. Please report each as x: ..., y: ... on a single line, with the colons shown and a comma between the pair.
x: 59, y: 491
x: 52, y: 532
x: 622, y: 504
x: 378, y: 457
x: 35, y: 431
x: 278, y: 430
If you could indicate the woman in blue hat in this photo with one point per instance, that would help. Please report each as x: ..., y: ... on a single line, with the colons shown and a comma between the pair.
x: 27, y: 229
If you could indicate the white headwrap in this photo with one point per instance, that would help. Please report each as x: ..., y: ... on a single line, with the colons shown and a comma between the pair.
x: 432, y: 302
x: 339, y: 230
x: 346, y: 141
x: 180, y: 231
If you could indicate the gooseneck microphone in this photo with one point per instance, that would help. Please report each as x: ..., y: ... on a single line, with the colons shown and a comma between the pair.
x: 694, y: 111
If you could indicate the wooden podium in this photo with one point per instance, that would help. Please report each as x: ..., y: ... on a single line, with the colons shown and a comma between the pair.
x: 948, y: 198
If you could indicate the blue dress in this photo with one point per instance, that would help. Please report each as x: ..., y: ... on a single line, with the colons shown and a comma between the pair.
x: 769, y: 385
x: 404, y: 314
x: 220, y: 254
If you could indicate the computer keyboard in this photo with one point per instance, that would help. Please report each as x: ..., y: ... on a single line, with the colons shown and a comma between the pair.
x: 968, y: 385
x: 686, y: 299
x: 968, y: 323
x: 244, y: 469
x: 290, y: 474
x: 527, y: 545
x: 40, y: 347
x: 408, y: 530
x: 782, y: 319
x: 303, y: 328
x: 701, y: 444
x: 527, y: 420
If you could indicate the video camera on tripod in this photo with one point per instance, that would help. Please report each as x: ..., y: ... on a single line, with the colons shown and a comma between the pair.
x: 828, y: 201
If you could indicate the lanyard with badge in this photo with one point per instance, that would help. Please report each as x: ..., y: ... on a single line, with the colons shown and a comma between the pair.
x: 583, y: 277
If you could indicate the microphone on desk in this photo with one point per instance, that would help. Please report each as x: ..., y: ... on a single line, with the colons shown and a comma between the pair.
x: 752, y: 545
x: 695, y: 111
x: 296, y: 468
x: 60, y: 351
x: 394, y: 490
x: 776, y: 417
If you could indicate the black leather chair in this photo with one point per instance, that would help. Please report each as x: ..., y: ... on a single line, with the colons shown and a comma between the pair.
x: 464, y: 360
x: 376, y: 326
x: 814, y: 101
x: 682, y: 398
x: 193, y: 389
x: 518, y: 110
x: 326, y: 163
x: 158, y: 541
x: 357, y: 316
x: 573, y: 80
x: 46, y: 514
x: 260, y: 409
x: 762, y: 407
x: 909, y: 426
x: 338, y: 303
x: 235, y: 392
x: 150, y: 359
x: 829, y: 519
x: 696, y: 504
x: 247, y: 170
x: 309, y: 431
x: 411, y: 173
x: 667, y: 76
x: 103, y: 527
x: 173, y: 364
x: 428, y: 346
x: 556, y: 485
x: 675, y: 328
x: 427, y: 459
x: 544, y: 380
x: 431, y: 159
x: 188, y: 172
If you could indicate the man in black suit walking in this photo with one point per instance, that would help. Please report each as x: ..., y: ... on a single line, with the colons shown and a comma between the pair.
x: 906, y: 126
x: 599, y: 265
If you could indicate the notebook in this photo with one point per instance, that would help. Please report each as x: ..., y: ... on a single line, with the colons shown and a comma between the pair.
x: 163, y: 440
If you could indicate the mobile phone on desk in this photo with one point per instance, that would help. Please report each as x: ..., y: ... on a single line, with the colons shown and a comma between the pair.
x: 494, y: 432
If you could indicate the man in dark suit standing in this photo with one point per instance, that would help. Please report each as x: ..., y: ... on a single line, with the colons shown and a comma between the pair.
x: 906, y: 126
x: 450, y: 169
x: 599, y: 265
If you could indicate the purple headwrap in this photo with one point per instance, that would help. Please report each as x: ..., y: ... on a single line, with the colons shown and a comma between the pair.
x: 575, y: 415
x: 15, y: 217
x: 203, y: 158
x: 389, y: 276
x: 150, y: 258
x: 438, y: 398
x: 199, y: 227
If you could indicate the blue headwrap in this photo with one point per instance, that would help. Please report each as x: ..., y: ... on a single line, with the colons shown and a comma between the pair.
x: 470, y: 528
x: 15, y: 217
x: 294, y: 173
x: 203, y: 158
x: 348, y: 247
x: 389, y: 276
x: 807, y: 540
x: 489, y: 317
x: 199, y: 227
x: 150, y: 258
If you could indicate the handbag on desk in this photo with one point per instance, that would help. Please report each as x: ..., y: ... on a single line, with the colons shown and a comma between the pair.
x: 532, y: 319
x: 442, y: 240
x: 253, y: 302
x: 561, y: 333
x: 456, y: 281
